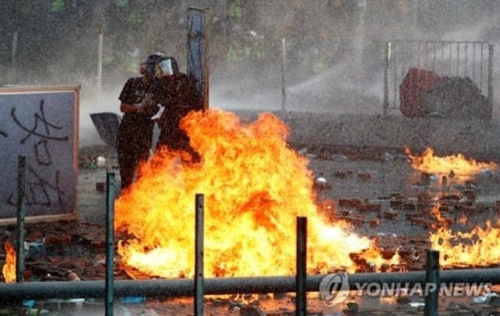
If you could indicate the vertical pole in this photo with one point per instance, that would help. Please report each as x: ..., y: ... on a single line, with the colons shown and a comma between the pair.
x: 481, y: 76
x: 490, y: 78
x: 386, y: 77
x: 474, y: 62
x: 198, y: 277
x: 301, y: 276
x: 198, y: 51
x: 395, y: 73
x: 432, y: 280
x: 442, y: 71
x: 466, y: 49
x: 206, y: 61
x: 21, y: 214
x: 404, y: 54
x: 14, y: 57
x: 110, y: 200
x: 451, y: 58
x: 99, y: 66
x: 283, y: 76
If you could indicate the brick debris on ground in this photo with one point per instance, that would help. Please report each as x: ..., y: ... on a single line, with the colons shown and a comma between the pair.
x: 376, y: 192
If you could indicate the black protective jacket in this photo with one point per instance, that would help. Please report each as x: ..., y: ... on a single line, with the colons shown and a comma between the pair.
x: 136, y: 129
x: 179, y: 95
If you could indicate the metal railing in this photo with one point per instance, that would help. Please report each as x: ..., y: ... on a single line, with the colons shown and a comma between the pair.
x: 472, y: 59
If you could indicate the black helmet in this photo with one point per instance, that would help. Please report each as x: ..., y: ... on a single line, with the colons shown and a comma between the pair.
x: 151, y: 63
x: 154, y: 60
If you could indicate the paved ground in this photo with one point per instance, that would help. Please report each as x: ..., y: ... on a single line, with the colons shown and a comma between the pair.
x: 473, y: 137
x: 351, y: 173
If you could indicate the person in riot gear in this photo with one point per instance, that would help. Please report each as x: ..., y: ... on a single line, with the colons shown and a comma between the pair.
x: 135, y: 133
x: 176, y: 94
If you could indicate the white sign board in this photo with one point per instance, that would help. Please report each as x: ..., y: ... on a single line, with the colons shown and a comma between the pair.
x: 41, y: 124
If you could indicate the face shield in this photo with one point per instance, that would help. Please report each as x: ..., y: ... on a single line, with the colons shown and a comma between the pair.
x: 166, y: 67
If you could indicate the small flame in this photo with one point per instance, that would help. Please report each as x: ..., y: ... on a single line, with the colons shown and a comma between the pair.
x: 379, y: 259
x: 9, y: 268
x: 479, y: 247
x: 442, y: 221
x: 457, y: 164
x: 463, y: 219
x: 254, y: 187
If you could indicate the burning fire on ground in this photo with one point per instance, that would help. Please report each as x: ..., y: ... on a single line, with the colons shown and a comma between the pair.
x: 9, y: 268
x: 457, y: 164
x: 254, y: 187
x: 479, y: 247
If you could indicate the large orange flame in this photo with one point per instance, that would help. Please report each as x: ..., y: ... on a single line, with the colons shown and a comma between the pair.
x: 9, y: 268
x: 479, y: 247
x: 459, y: 164
x: 254, y: 187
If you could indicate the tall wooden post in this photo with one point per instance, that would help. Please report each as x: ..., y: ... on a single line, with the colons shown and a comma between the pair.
x: 283, y: 75
x: 198, y: 50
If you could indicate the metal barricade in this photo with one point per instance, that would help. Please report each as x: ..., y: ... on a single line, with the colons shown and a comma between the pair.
x: 445, y: 58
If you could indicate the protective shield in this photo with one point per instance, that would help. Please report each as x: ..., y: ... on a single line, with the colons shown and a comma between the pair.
x: 107, y: 124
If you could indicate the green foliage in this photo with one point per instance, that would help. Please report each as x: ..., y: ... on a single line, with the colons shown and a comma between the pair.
x: 135, y: 18
x: 234, y: 10
x: 58, y: 5
x: 122, y: 3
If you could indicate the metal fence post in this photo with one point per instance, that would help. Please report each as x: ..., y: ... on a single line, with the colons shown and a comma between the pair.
x: 490, y: 78
x: 301, y: 277
x: 432, y: 280
x: 386, y: 77
x: 99, y: 64
x: 13, y: 65
x: 21, y: 214
x: 199, y: 263
x: 110, y: 201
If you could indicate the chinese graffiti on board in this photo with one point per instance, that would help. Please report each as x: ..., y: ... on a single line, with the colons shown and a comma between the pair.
x: 43, y: 133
